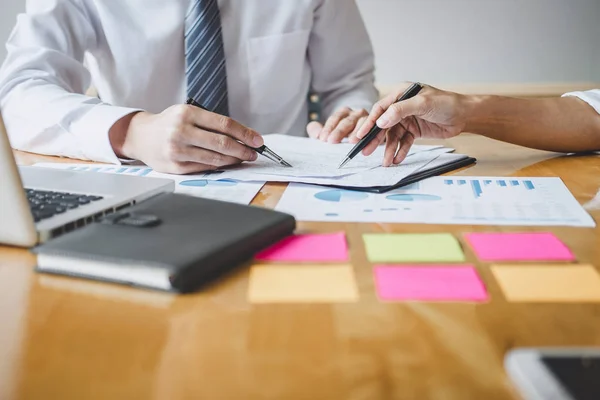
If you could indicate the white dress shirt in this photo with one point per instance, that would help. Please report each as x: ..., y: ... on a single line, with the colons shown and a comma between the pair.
x: 592, y: 97
x: 133, y: 53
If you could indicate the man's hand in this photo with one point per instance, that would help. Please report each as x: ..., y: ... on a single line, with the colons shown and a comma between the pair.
x: 183, y: 139
x: 343, y: 123
x: 433, y: 113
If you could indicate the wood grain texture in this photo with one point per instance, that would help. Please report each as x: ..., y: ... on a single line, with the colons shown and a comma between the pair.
x: 72, y: 339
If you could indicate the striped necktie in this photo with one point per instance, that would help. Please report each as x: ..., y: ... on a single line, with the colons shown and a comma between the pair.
x: 205, y: 71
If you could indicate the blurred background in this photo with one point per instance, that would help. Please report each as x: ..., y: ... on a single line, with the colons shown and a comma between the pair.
x: 513, y: 47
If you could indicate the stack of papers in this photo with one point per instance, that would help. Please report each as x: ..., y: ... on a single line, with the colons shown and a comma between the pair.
x: 316, y: 162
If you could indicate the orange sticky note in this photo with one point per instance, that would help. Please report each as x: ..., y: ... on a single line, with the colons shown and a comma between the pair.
x: 548, y: 283
x: 302, y: 284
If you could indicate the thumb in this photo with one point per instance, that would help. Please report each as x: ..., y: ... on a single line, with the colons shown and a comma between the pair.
x: 398, y: 111
x: 314, y: 129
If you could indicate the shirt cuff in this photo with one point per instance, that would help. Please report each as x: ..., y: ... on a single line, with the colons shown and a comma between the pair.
x: 91, y: 131
x: 592, y: 97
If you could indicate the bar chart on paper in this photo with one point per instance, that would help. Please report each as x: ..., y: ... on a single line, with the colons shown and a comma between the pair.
x: 479, y: 186
x: 443, y: 200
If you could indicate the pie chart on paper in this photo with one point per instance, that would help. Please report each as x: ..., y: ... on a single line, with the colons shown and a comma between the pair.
x: 340, y: 196
x: 204, y: 183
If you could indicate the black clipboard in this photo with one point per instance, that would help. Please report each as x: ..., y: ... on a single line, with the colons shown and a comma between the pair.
x: 419, y: 176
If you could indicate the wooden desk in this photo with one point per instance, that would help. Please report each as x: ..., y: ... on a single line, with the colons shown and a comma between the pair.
x: 72, y: 339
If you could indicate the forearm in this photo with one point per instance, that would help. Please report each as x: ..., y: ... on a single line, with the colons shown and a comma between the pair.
x: 565, y: 124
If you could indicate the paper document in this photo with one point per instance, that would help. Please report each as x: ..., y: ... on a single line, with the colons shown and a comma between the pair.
x: 378, y: 176
x: 444, y: 200
x: 197, y: 185
x: 311, y: 158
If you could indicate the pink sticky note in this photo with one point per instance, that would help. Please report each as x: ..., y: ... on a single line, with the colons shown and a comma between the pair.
x: 429, y: 283
x: 301, y: 248
x: 519, y: 247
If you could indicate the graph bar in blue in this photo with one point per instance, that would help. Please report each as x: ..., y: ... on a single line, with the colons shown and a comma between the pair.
x: 449, y: 182
x: 133, y: 170
x: 529, y: 185
x: 487, y: 183
x: 502, y: 183
x: 462, y: 182
x: 121, y: 170
x: 514, y: 183
x: 476, y: 189
x: 145, y: 172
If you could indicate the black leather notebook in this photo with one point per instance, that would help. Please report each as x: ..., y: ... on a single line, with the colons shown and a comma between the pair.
x: 171, y: 242
x: 437, y: 168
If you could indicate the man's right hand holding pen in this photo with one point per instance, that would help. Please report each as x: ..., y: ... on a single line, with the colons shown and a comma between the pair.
x: 184, y: 139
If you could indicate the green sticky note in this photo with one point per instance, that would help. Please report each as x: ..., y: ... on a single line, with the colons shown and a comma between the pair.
x: 418, y: 247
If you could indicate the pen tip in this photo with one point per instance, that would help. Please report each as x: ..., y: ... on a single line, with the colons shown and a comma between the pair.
x: 343, y: 163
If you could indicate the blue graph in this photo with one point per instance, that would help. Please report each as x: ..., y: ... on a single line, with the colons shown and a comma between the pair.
x: 204, y: 183
x: 529, y: 185
x: 339, y: 196
x: 477, y: 192
x: 413, y: 197
x: 478, y: 186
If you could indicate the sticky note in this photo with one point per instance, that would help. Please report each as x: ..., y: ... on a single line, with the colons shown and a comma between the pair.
x: 302, y: 248
x: 302, y: 284
x: 548, y: 283
x: 426, y: 247
x: 429, y: 283
x: 519, y: 247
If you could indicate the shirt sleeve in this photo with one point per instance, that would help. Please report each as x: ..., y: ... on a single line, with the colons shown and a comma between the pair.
x: 43, y: 81
x: 592, y: 97
x: 341, y: 57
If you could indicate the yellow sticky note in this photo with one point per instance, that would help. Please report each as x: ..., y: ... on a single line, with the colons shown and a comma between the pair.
x: 302, y: 284
x: 548, y: 283
x: 418, y: 247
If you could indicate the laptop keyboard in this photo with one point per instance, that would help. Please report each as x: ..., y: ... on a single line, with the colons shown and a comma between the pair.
x: 45, y: 204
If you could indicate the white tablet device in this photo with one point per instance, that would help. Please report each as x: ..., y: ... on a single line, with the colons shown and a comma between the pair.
x: 555, y: 373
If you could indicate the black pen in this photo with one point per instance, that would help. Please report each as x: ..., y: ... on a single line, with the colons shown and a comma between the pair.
x: 262, y: 150
x: 412, y: 91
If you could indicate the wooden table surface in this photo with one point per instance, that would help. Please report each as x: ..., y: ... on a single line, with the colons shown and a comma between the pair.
x: 63, y: 338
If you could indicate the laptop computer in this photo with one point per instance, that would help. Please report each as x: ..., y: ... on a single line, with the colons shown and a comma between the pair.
x: 37, y: 204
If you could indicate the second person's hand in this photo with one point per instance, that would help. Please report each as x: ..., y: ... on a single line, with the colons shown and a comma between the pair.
x: 184, y: 139
x: 433, y: 113
x: 343, y: 123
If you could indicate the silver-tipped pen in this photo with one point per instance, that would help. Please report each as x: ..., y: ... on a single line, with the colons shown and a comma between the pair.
x: 346, y: 161
x: 270, y: 154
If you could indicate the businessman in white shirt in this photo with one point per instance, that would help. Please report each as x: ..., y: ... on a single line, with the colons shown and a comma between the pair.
x: 251, y: 62
x: 568, y: 124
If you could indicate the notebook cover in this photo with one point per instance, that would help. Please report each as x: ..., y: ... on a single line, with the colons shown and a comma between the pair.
x: 197, y: 239
x: 419, y: 176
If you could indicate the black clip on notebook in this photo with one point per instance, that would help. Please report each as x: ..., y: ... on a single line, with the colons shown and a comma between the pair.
x: 455, y: 163
x: 170, y: 242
